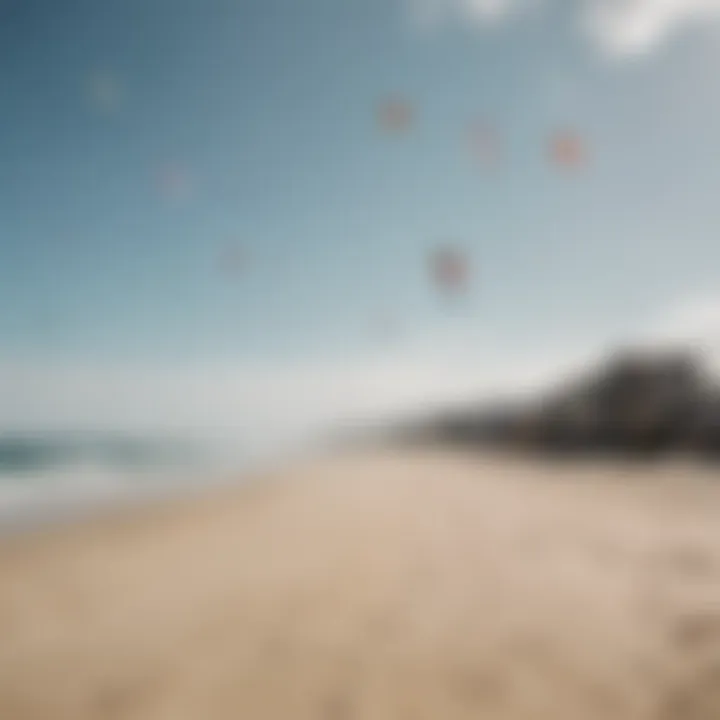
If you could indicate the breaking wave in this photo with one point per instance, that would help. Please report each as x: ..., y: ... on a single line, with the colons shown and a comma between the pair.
x: 45, y: 473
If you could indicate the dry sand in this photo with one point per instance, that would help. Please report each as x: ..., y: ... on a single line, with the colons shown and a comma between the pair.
x: 408, y: 585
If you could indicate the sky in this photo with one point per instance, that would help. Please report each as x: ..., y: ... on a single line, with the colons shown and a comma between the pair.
x: 203, y: 224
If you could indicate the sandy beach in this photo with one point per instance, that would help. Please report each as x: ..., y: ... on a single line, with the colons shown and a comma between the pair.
x: 386, y: 584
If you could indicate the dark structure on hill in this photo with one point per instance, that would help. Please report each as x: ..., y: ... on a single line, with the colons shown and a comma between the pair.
x: 636, y: 403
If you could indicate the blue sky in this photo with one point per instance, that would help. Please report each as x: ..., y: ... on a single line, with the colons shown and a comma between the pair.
x: 267, y: 113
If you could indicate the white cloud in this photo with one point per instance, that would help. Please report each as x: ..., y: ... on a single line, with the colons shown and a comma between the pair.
x: 619, y: 28
x: 692, y: 323
x: 632, y: 27
x: 485, y: 8
x: 429, y: 13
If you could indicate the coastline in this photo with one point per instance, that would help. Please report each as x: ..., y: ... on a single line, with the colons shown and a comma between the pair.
x: 376, y: 584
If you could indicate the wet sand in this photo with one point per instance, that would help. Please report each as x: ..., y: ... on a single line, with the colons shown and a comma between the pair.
x: 392, y: 584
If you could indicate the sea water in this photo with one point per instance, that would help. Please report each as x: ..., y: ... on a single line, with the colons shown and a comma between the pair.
x: 44, y: 475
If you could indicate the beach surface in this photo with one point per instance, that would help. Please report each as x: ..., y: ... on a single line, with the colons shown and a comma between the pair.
x: 403, y: 584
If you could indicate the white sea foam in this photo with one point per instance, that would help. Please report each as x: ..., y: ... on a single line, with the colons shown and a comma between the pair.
x: 83, y: 476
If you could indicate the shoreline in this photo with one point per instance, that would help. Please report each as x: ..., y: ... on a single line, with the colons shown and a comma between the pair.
x: 373, y: 585
x: 77, y: 507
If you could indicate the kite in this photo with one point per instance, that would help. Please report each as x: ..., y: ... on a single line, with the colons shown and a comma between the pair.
x: 449, y: 270
x: 484, y: 142
x: 175, y: 183
x: 105, y: 93
x: 395, y: 116
x: 567, y: 150
x: 233, y: 262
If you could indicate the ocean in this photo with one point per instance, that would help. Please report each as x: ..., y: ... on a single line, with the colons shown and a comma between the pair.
x: 47, y: 475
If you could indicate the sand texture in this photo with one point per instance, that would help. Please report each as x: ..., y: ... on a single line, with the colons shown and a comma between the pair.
x: 408, y: 585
